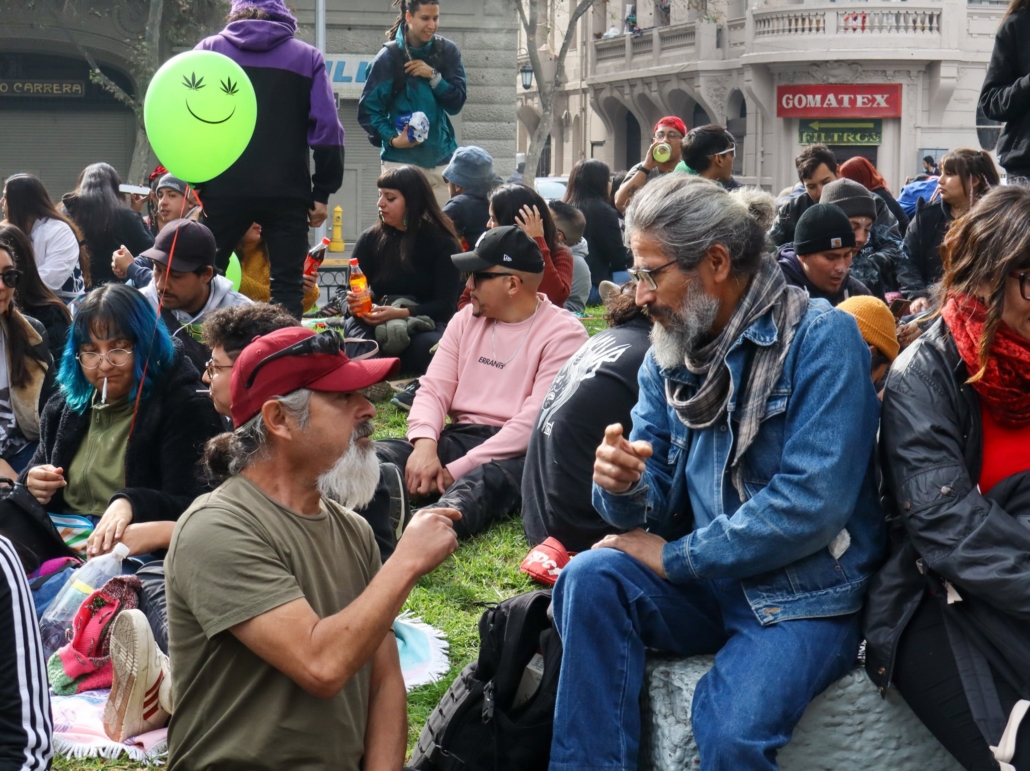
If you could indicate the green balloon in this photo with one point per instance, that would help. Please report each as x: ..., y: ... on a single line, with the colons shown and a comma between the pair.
x: 234, y: 272
x: 200, y: 111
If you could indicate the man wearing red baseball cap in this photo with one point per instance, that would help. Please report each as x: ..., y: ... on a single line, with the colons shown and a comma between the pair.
x: 279, y: 611
x: 668, y: 131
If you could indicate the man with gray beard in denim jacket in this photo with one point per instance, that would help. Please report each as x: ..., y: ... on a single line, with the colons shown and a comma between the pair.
x: 756, y: 414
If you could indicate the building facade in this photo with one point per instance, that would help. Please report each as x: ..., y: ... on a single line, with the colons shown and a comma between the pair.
x: 55, y: 121
x: 892, y: 81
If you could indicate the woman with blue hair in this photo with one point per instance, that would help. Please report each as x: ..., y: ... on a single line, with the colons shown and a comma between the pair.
x: 120, y: 440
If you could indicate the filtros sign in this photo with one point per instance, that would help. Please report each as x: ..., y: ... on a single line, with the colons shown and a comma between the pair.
x: 858, y: 132
x: 855, y: 100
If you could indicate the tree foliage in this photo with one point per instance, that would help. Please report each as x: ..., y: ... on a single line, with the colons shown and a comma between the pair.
x: 170, y: 25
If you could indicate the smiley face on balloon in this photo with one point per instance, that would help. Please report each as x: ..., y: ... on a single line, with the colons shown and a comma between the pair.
x: 200, y: 112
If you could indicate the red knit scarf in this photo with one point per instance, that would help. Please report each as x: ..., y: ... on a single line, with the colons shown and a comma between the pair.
x: 1005, y: 385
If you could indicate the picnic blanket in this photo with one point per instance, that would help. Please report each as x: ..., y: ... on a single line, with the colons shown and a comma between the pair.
x: 79, y: 731
x: 79, y: 719
x: 423, y: 651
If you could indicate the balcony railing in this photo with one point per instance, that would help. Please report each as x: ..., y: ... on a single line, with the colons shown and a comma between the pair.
x: 873, y: 24
x: 807, y: 26
x: 651, y: 48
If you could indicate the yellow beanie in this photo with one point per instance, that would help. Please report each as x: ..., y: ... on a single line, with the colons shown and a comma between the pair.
x: 875, y: 322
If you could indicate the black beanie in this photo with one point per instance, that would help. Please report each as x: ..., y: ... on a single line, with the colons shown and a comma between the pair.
x: 821, y: 228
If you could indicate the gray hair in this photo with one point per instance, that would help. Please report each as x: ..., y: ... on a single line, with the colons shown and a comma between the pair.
x: 687, y: 215
x: 228, y: 454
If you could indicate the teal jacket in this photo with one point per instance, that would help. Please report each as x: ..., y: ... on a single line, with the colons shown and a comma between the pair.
x: 390, y: 92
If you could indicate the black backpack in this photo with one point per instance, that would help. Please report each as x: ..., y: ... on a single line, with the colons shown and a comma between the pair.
x: 475, y: 727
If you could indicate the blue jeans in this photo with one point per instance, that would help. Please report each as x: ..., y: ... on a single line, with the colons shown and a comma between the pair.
x: 609, y: 608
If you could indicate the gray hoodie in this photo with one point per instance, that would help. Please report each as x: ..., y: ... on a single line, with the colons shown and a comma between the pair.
x: 580, y: 290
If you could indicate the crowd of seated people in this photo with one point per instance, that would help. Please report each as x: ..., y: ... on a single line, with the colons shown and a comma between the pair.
x: 774, y: 452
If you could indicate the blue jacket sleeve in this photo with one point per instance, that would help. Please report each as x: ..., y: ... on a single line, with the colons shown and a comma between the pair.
x: 374, y: 104
x: 451, y: 91
x: 829, y: 433
x: 139, y: 272
x: 647, y: 500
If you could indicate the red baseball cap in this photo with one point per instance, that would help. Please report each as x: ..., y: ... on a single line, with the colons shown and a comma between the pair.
x: 671, y: 121
x: 259, y: 374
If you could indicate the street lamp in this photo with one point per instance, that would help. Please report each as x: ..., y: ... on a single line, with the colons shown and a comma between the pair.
x: 526, y: 71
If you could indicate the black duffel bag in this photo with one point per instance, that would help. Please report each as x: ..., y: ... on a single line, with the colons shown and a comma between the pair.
x: 25, y: 523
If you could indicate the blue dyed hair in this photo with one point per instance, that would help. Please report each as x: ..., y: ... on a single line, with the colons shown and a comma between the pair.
x: 109, y: 312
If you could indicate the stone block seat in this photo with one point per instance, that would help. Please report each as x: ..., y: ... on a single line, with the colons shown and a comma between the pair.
x: 849, y: 727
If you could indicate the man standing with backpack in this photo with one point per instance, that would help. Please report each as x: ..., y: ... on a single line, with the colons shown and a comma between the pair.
x: 416, y: 71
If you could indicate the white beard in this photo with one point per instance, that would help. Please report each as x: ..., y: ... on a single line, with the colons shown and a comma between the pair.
x: 676, y: 333
x: 353, y: 478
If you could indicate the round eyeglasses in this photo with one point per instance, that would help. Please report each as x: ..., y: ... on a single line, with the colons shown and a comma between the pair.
x: 116, y: 357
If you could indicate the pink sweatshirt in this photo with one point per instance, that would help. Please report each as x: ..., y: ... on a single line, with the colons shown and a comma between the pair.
x: 472, y: 380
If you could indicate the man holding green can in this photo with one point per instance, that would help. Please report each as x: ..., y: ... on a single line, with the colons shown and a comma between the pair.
x: 662, y: 157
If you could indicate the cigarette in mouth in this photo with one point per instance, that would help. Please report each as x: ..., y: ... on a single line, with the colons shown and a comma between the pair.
x: 103, y: 394
x: 203, y: 390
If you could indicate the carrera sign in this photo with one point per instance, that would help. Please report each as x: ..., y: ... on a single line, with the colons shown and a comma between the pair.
x: 863, y: 100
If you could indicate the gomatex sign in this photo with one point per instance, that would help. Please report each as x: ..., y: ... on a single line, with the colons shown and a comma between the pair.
x: 856, y: 100
x: 840, y: 132
x: 62, y: 88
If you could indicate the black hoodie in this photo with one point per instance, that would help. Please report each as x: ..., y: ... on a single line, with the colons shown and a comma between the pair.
x: 1005, y: 94
x: 795, y: 275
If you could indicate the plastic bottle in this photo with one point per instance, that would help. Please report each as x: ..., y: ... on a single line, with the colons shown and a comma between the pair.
x: 315, y: 257
x: 56, y: 625
x: 359, y: 286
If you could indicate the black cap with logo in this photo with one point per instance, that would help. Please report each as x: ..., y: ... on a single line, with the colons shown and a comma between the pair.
x: 506, y: 247
x: 194, y: 246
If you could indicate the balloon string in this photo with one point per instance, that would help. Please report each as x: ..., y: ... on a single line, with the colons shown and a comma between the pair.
x: 153, y: 334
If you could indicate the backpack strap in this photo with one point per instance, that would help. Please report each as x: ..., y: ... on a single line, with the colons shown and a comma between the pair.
x: 398, y: 57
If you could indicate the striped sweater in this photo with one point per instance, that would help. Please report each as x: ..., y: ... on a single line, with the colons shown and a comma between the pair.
x: 26, y: 729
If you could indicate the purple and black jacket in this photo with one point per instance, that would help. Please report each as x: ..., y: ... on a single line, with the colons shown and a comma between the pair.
x: 295, y: 110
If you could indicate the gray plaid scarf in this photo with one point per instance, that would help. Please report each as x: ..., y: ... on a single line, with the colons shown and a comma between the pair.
x: 768, y: 291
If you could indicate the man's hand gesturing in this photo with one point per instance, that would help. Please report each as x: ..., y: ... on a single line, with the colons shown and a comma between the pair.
x: 428, y: 539
x: 619, y: 463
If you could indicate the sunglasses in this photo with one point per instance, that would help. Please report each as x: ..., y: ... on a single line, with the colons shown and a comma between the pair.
x: 11, y: 278
x: 731, y: 150
x: 1023, y: 276
x: 478, y: 276
x: 327, y: 342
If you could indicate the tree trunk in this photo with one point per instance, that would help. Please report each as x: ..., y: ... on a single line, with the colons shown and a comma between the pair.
x: 139, y: 170
x: 547, y: 90
x: 151, y: 48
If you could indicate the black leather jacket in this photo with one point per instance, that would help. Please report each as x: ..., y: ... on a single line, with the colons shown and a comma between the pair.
x: 931, y: 443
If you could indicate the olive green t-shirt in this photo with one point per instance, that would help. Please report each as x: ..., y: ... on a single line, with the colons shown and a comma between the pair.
x: 234, y: 555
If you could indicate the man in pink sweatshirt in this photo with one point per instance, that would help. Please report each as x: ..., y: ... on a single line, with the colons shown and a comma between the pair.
x: 495, y: 364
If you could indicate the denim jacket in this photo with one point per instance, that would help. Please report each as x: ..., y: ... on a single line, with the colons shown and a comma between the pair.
x: 811, y: 531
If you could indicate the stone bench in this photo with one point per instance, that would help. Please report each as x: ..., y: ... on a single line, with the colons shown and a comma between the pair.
x: 846, y: 728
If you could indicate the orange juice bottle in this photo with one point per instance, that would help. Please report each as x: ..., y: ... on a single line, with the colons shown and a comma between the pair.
x: 359, y: 286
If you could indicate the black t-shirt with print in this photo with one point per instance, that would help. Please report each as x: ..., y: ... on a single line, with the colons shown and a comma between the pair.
x: 595, y: 388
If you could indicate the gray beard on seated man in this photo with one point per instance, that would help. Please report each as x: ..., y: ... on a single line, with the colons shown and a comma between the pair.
x: 677, y: 333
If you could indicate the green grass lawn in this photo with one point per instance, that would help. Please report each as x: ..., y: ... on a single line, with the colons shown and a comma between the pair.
x: 485, y: 569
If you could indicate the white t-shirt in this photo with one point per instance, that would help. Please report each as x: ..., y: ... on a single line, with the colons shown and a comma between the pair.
x: 57, y: 257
